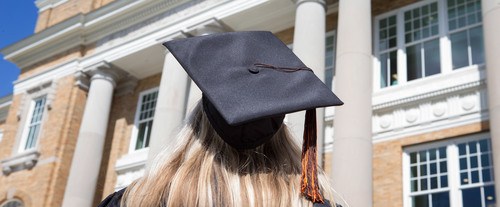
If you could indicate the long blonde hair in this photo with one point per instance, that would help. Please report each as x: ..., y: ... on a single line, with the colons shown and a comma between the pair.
x: 205, y: 171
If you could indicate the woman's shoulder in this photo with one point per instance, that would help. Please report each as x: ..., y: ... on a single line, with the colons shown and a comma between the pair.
x: 113, y: 200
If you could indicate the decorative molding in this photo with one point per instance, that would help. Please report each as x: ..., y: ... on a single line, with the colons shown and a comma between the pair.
x: 48, y: 4
x: 446, y: 107
x: 19, y: 162
x: 124, y: 82
x: 84, y: 29
x: 429, y: 95
x: 47, y: 88
x: 321, y: 2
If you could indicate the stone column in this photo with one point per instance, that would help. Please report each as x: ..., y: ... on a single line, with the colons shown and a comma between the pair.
x: 82, y: 181
x: 352, y: 144
x: 491, y: 16
x: 309, y: 46
x: 170, y: 106
x: 173, y: 96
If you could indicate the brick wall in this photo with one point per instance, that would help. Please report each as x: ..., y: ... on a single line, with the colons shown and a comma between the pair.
x: 44, y: 184
x: 52, y: 16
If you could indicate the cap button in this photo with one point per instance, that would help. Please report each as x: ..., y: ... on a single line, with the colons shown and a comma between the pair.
x: 254, y: 70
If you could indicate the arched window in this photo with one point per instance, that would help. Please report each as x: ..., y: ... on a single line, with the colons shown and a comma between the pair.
x: 12, y: 203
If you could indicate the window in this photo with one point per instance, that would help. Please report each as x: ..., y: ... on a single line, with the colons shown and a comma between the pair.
x: 33, y: 125
x: 466, y: 32
x: 12, y: 203
x: 460, y: 170
x: 144, y: 119
x: 329, y: 59
x: 412, y: 42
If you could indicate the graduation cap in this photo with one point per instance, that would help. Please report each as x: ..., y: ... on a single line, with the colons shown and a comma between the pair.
x: 249, y: 81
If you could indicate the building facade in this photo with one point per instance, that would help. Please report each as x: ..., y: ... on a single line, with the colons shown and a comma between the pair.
x: 98, y: 96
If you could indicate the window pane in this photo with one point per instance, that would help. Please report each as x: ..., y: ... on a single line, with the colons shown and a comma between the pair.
x: 477, y: 45
x: 413, y: 157
x: 473, y: 162
x: 433, y: 167
x: 423, y: 184
x: 414, y: 62
x: 434, y: 182
x: 442, y: 152
x: 441, y: 199
x: 484, y: 145
x: 141, y: 136
x: 474, y: 176
x: 442, y: 167
x: 432, y: 57
x: 414, y: 171
x: 487, y: 175
x: 393, y: 68
x: 461, y: 149
x: 420, y: 201
x: 464, y: 179
x: 463, y: 164
x: 459, y: 50
x: 489, y: 196
x: 383, y: 70
x: 444, y: 181
x: 471, y: 197
x: 485, y: 160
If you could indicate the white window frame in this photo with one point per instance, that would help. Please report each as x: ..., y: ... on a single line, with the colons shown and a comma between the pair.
x: 135, y: 130
x: 443, y: 38
x: 454, y: 187
x: 27, y: 125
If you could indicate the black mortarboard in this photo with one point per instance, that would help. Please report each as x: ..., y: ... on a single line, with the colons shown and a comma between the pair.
x: 250, y: 80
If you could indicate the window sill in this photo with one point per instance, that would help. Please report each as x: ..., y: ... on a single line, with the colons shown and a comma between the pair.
x: 132, y: 161
x: 26, y: 160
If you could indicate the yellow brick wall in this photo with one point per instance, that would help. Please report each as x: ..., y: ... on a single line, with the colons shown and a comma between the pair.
x: 66, y: 10
x: 388, y: 162
x: 44, y: 184
x: 121, y: 122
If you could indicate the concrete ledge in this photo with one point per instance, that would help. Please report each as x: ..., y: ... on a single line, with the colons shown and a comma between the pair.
x: 26, y: 160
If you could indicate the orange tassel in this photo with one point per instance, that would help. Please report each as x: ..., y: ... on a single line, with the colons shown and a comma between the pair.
x: 309, y: 179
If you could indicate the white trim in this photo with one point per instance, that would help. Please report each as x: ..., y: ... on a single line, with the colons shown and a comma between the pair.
x: 59, y: 71
x: 454, y: 187
x: 27, y: 124
x: 443, y: 38
x: 135, y: 129
x: 48, y: 4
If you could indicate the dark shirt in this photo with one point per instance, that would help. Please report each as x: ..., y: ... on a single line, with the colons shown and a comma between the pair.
x: 114, y: 199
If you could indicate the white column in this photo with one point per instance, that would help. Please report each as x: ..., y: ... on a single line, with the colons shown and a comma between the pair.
x: 86, y: 163
x: 194, y: 96
x: 352, y: 144
x: 175, y: 93
x: 170, y: 106
x: 309, y: 46
x: 491, y: 17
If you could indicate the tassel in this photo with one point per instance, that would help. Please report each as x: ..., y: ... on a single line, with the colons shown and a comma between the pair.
x: 309, y: 179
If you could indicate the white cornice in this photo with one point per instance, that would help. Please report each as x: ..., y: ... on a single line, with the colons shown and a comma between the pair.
x: 84, y: 29
x: 47, y: 4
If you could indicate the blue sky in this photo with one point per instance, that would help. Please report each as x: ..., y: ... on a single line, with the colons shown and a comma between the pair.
x: 17, y: 21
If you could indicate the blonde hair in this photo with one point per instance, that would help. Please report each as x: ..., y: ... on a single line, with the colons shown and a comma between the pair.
x: 205, y: 171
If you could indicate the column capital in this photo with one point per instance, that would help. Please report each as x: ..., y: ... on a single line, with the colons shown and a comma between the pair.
x: 299, y: 2
x: 102, y: 70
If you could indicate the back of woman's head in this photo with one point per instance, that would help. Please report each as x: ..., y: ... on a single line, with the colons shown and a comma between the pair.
x: 203, y: 170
